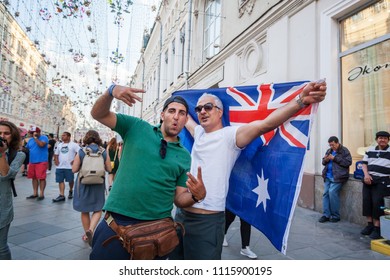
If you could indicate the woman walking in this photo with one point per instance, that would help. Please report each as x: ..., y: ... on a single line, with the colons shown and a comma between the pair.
x: 89, y: 197
x: 114, y: 152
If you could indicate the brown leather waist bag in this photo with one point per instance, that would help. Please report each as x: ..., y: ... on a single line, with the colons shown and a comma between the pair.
x: 146, y: 240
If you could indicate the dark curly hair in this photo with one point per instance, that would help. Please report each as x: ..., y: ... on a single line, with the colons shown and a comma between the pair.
x: 15, y: 135
x: 92, y: 136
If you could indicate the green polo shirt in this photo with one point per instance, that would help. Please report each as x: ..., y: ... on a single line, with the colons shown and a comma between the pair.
x: 145, y: 184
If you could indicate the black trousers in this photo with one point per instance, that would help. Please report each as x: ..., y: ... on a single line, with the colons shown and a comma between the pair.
x: 245, y: 228
x: 50, y: 159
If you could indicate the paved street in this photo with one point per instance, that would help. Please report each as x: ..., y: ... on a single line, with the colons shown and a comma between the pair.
x: 43, y: 230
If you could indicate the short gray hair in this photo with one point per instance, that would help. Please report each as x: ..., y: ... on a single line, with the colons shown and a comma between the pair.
x: 218, y: 101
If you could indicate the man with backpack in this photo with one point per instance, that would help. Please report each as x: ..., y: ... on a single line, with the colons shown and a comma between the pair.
x: 10, y: 162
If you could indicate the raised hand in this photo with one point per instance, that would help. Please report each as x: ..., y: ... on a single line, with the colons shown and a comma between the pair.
x: 127, y: 95
x: 195, y: 185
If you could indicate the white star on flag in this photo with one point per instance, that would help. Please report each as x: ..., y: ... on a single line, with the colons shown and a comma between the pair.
x: 262, y: 191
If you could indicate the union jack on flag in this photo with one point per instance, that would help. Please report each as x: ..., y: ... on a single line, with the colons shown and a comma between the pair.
x: 266, y: 179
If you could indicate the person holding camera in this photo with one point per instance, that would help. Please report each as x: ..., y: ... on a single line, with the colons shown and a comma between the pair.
x: 11, y: 159
x: 39, y: 154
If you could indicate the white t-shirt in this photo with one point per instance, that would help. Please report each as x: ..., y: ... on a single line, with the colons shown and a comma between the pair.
x: 216, y: 153
x: 66, y: 153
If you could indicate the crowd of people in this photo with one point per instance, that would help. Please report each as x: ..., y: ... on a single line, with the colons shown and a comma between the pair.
x: 150, y: 171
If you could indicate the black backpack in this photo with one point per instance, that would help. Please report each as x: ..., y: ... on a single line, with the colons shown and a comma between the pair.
x: 11, y: 155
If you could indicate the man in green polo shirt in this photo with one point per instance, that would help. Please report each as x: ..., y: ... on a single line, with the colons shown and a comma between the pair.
x: 154, y: 169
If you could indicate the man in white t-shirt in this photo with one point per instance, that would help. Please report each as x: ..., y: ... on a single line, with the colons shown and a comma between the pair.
x: 215, y: 150
x: 63, y: 158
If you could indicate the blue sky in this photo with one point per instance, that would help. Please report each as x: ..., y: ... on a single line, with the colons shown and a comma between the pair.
x: 63, y: 37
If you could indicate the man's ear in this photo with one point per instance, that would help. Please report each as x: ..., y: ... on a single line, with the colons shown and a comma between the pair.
x: 220, y: 113
x: 162, y: 115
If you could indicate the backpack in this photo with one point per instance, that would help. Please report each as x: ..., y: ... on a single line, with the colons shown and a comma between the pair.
x: 92, y: 169
x: 11, y: 155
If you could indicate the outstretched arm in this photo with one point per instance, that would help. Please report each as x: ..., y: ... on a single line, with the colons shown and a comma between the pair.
x: 101, y: 109
x: 313, y: 92
x: 190, y: 125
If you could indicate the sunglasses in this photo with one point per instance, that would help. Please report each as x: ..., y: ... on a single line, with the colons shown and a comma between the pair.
x: 207, y: 107
x: 163, y: 148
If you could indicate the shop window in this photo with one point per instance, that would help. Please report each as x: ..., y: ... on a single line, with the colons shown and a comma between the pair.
x: 365, y: 77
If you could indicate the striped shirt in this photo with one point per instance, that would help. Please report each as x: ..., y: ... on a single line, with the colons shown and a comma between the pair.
x: 378, y: 161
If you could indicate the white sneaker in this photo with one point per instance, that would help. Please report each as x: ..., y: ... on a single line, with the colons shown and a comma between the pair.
x: 248, y: 252
x: 48, y: 172
x: 225, y: 243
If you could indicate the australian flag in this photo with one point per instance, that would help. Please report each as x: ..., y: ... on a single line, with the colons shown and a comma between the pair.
x: 266, y: 179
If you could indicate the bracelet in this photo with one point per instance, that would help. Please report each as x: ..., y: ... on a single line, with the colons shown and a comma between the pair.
x: 110, y: 89
x: 299, y: 101
x: 196, y: 200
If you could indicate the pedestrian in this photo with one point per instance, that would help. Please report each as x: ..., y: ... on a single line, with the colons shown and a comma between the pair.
x: 336, y: 161
x: 114, y: 152
x: 38, y: 156
x: 27, y: 153
x: 376, y: 182
x: 245, y: 231
x: 215, y: 150
x: 152, y: 175
x: 89, y: 198
x: 64, y: 155
x: 10, y: 142
x: 50, y: 146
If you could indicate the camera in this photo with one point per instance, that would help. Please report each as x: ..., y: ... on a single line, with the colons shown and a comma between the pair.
x: 2, y: 141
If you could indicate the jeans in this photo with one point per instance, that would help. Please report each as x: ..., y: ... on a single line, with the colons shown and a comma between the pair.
x: 331, y: 199
x: 5, y: 253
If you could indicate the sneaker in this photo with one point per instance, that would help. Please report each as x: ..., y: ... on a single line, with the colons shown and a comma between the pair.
x: 248, y: 252
x: 376, y: 233
x: 40, y: 198
x: 59, y: 198
x: 334, y: 220
x: 70, y: 195
x: 367, y: 230
x: 225, y: 243
x: 323, y: 219
x: 48, y: 172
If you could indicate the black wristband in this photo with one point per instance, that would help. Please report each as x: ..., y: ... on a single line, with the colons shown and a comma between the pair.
x: 194, y: 199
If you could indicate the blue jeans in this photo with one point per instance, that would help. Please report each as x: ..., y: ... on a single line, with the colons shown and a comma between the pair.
x: 5, y: 253
x: 331, y: 199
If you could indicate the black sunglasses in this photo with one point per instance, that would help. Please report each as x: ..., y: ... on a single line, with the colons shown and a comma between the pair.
x: 163, y: 148
x: 207, y: 107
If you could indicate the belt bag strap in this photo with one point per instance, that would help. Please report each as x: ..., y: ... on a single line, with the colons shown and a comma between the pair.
x: 114, y: 226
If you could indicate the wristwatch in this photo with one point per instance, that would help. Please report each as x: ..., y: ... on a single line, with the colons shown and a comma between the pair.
x: 196, y: 200
x: 299, y: 101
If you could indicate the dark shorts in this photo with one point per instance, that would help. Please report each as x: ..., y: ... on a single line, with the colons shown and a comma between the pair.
x: 64, y: 174
x: 373, y: 197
